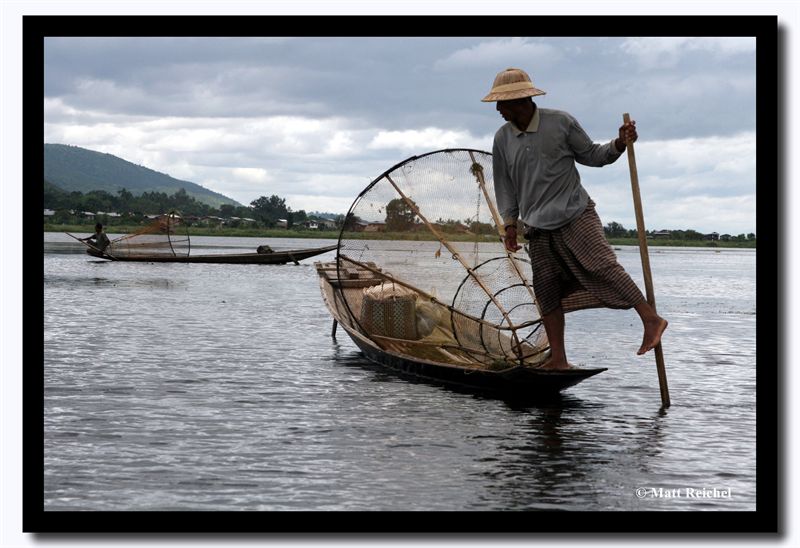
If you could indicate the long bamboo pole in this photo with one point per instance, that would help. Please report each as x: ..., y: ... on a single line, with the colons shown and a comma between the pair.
x: 477, y: 170
x: 648, y: 278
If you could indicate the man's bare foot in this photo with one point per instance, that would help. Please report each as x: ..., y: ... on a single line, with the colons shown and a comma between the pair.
x: 652, y: 334
x: 552, y: 365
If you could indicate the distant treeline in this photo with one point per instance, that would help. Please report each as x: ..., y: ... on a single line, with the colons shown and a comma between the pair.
x: 69, y: 207
x: 265, y: 212
x: 616, y: 230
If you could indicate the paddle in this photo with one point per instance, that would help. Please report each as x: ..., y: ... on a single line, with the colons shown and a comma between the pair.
x: 648, y: 279
x: 81, y: 240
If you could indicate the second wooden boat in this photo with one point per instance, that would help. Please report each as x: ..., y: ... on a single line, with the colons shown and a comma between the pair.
x: 166, y: 240
x: 274, y: 257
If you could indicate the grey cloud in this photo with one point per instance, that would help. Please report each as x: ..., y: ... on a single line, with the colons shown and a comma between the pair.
x: 394, y: 82
x: 369, y: 85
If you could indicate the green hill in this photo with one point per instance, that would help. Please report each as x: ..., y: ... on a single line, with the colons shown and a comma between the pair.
x: 72, y: 168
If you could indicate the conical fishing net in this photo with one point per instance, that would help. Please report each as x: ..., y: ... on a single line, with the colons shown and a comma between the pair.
x: 167, y: 235
x: 421, y: 268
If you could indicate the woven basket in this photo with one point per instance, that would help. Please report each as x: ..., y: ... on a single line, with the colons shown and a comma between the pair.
x: 389, y: 311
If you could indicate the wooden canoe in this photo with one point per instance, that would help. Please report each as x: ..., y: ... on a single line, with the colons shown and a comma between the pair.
x: 276, y: 257
x: 443, y: 365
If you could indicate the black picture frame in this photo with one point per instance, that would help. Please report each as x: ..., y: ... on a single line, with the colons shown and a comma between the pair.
x: 766, y: 519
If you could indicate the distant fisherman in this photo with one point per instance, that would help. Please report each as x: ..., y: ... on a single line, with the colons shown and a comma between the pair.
x: 101, y: 241
x: 536, y: 180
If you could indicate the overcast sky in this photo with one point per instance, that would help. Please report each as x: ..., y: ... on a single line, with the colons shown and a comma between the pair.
x: 314, y: 120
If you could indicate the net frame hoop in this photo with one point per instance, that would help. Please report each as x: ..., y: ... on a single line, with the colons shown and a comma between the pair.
x: 499, y: 328
x: 477, y: 170
x: 358, y: 199
x: 538, y: 323
x: 377, y: 179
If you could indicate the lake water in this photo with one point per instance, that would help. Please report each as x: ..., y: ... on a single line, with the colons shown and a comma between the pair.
x: 219, y: 387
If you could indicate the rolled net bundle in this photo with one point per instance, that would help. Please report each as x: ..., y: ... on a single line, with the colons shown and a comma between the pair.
x: 168, y: 235
x: 429, y: 226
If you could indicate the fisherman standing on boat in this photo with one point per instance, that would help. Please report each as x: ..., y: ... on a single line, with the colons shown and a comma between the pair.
x: 536, y: 180
x: 100, y: 238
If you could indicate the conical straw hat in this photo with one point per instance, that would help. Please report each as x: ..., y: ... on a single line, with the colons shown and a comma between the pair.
x: 512, y: 83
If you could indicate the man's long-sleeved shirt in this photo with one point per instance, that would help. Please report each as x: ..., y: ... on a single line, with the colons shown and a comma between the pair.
x: 535, y: 176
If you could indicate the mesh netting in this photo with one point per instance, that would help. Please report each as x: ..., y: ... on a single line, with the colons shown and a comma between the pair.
x: 422, y: 269
x: 167, y: 235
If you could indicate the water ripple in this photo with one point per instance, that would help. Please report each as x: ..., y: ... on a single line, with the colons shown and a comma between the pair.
x: 217, y: 387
